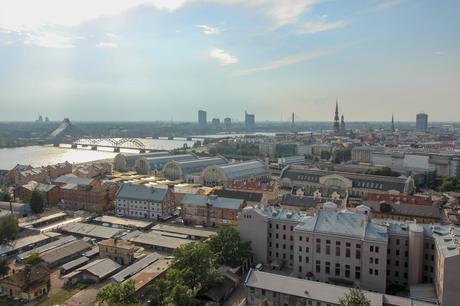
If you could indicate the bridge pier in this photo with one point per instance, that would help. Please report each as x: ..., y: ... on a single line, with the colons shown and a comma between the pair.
x: 74, y: 146
x: 56, y: 145
x: 142, y: 151
x: 116, y: 150
x: 94, y: 148
x: 189, y: 138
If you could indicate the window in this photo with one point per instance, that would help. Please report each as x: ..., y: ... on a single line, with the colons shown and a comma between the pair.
x: 376, y: 261
x: 371, y: 248
x: 357, y: 272
x: 397, y: 241
x: 300, y: 238
x: 284, y: 227
x: 337, y: 269
x: 347, y: 252
x: 347, y: 271
x: 376, y: 272
x: 307, y: 249
x: 328, y: 267
x: 337, y: 251
x: 376, y: 249
x: 328, y: 249
x: 307, y: 259
x: 371, y: 260
x: 263, y: 291
x: 370, y: 271
x: 300, y: 268
x: 300, y: 248
x: 318, y: 266
x: 300, y: 258
x: 397, y: 252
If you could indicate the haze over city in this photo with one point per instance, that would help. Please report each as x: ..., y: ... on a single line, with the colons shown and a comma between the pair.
x: 163, y: 60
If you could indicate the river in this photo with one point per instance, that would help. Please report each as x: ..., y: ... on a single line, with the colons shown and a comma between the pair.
x: 47, y: 155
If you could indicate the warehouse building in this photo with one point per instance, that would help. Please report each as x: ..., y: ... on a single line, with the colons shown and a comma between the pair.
x: 251, y: 171
x: 190, y: 170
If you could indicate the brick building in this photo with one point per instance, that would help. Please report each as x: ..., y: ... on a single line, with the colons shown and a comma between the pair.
x: 210, y: 210
x: 50, y: 193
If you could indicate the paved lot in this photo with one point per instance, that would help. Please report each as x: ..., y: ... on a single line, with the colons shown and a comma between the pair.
x: 85, y: 297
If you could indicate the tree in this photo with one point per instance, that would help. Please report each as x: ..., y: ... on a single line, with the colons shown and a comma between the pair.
x: 449, y: 183
x: 325, y: 155
x: 4, y: 268
x: 32, y: 259
x: 5, y: 196
x: 8, y: 228
x: 355, y: 297
x: 229, y: 248
x: 383, y: 171
x: 117, y: 294
x: 180, y: 295
x: 194, y: 265
x: 160, y: 291
x: 36, y: 202
x: 263, y: 303
x: 341, y: 155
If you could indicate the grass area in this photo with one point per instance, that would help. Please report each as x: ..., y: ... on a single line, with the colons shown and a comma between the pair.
x: 63, y: 295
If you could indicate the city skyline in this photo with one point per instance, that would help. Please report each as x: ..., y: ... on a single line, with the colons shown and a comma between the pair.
x: 157, y: 60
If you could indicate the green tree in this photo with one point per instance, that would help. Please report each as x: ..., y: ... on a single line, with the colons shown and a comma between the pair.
x: 8, y: 228
x: 160, y: 292
x: 117, y: 294
x: 5, y: 196
x: 228, y: 247
x: 449, y: 183
x: 180, y: 295
x: 32, y: 259
x: 4, y: 268
x: 195, y: 265
x: 355, y: 297
x: 325, y: 155
x: 341, y: 155
x: 36, y: 202
x: 383, y: 171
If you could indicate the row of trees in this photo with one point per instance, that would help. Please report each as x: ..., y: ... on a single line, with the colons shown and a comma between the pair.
x: 194, y: 269
x: 383, y: 171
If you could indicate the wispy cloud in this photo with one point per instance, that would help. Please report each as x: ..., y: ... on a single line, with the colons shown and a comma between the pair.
x: 208, y: 30
x: 49, y: 40
x: 316, y: 27
x: 439, y: 53
x: 285, y: 62
x: 286, y: 12
x: 387, y: 4
x: 223, y: 57
x: 107, y: 45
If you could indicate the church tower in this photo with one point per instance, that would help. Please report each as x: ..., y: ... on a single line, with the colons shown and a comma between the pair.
x: 342, y: 125
x: 336, y: 118
x: 392, y: 124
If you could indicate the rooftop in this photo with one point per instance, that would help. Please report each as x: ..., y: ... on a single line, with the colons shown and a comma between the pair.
x: 135, y: 267
x: 63, y: 251
x: 125, y: 222
x: 141, y: 192
x: 101, y: 268
x: 214, y: 201
x: 156, y: 240
x: 121, y: 244
x: 72, y: 179
x: 91, y: 230
x: 147, y: 275
x: 189, y: 231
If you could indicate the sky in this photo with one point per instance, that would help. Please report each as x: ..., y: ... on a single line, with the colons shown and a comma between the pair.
x: 149, y: 60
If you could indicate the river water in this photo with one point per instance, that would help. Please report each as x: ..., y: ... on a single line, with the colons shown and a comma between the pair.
x: 47, y: 155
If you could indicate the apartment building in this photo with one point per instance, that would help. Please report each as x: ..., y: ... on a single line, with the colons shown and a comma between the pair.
x: 144, y: 201
x: 349, y: 249
x: 120, y: 251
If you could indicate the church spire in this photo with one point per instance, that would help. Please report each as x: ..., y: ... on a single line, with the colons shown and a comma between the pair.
x: 336, y: 117
x: 393, y: 123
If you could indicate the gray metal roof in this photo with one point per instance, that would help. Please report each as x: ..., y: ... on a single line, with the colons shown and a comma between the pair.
x: 101, y: 267
x: 141, y: 192
x: 72, y: 179
x: 75, y: 263
x: 47, y: 247
x: 195, y: 166
x: 244, y: 169
x: 66, y: 250
x: 24, y: 242
x: 91, y: 230
x: 135, y: 267
x: 159, y: 161
x: 359, y: 180
x: 214, y: 201
x: 303, y: 288
x: 344, y: 224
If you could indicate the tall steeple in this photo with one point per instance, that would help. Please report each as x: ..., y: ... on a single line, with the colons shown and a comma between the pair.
x: 342, y: 124
x: 393, y: 123
x: 336, y: 117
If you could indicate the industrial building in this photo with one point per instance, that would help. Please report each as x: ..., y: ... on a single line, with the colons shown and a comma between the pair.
x: 189, y: 171
x: 251, y: 171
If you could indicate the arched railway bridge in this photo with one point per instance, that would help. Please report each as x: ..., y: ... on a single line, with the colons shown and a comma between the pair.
x: 115, y: 143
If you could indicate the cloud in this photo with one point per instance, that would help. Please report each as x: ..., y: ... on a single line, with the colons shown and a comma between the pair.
x: 439, y: 52
x: 223, y: 57
x: 107, y: 45
x: 208, y: 30
x: 285, y: 62
x: 316, y: 27
x: 49, y: 40
x: 26, y: 15
x: 387, y: 4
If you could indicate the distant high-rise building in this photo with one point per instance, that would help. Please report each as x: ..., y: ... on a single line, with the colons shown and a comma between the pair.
x: 40, y: 118
x: 215, y: 122
x: 421, y: 123
x: 228, y: 124
x: 202, y: 121
x: 250, y: 122
x: 336, y: 118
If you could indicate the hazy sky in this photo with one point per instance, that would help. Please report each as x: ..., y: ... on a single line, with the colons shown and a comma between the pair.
x: 164, y: 59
